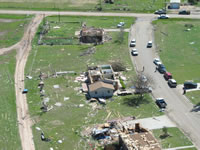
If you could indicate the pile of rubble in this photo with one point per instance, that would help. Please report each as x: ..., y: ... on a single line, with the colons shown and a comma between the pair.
x: 129, y: 136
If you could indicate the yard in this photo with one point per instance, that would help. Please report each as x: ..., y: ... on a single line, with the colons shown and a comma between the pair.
x: 73, y: 113
x: 9, y: 136
x: 194, y: 97
x: 175, y: 139
x: 146, y: 6
x: 12, y: 29
x: 178, y: 45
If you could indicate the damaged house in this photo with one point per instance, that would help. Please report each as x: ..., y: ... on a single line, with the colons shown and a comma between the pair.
x: 91, y: 35
x: 101, y: 81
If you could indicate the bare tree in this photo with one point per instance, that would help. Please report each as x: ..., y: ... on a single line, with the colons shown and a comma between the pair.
x: 142, y: 83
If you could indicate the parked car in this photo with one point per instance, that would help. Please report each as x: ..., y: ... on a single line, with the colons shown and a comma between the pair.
x: 134, y: 52
x: 161, y: 68
x: 156, y: 61
x: 184, y: 12
x: 160, y: 11
x: 149, y: 44
x: 163, y: 17
x: 190, y: 85
x: 167, y: 75
x: 143, y: 90
x: 133, y: 43
x: 121, y: 24
x: 161, y: 103
x: 172, y: 83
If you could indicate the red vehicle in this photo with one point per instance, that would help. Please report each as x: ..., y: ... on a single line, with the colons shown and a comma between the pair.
x: 167, y: 75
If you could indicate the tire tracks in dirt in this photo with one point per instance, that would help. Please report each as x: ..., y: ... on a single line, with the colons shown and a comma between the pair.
x: 23, y: 117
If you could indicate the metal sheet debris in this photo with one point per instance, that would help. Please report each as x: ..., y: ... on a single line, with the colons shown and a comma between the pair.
x: 56, y: 86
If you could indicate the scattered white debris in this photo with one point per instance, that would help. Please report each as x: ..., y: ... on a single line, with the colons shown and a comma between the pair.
x: 37, y: 128
x: 66, y: 98
x: 58, y: 104
x: 128, y: 69
x: 188, y: 29
x: 60, y: 141
x: 192, y: 43
x: 56, y: 86
x: 192, y: 97
x: 56, y: 27
x: 123, y: 78
x: 29, y: 77
x: 69, y: 54
x: 46, y: 100
x: 81, y: 105
x: 51, y: 148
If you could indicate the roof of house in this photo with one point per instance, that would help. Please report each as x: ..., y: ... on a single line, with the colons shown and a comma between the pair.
x: 175, y: 1
x: 91, y: 31
x: 100, y: 84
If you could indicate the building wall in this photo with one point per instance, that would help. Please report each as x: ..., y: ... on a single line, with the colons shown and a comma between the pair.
x: 101, y: 93
x: 174, y: 5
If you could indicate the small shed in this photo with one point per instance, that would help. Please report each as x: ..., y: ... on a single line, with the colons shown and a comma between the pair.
x: 175, y: 4
x: 101, y: 90
x: 91, y: 35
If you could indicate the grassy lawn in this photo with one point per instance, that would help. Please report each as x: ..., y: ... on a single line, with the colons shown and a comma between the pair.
x: 146, y: 6
x: 9, y: 136
x: 66, y: 122
x: 66, y: 27
x: 12, y: 29
x: 179, y: 48
x: 176, y: 138
x: 194, y: 97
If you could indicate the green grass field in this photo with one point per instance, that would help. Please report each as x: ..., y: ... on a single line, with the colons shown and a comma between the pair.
x: 9, y: 136
x: 66, y: 122
x: 175, y: 139
x: 12, y: 29
x: 194, y: 97
x: 179, y: 48
x: 146, y: 6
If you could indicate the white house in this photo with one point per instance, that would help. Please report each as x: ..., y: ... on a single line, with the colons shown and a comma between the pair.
x: 175, y: 4
x: 101, y: 90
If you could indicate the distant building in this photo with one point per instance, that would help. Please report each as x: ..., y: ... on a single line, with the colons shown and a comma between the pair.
x: 100, y: 89
x: 175, y: 4
x: 91, y: 35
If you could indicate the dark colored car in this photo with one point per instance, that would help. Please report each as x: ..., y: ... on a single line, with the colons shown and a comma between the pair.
x: 167, y: 75
x: 160, y: 11
x: 161, y: 68
x: 190, y: 85
x: 161, y: 103
x: 184, y: 12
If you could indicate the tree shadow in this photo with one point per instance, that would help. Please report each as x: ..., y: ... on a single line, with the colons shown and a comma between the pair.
x: 196, y: 108
x: 135, y: 101
x: 164, y: 136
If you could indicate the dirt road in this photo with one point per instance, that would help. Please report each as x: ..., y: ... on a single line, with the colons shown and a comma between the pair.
x: 179, y: 108
x: 23, y: 117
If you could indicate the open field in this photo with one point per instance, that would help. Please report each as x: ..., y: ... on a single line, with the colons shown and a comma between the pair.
x: 67, y: 121
x: 146, y: 6
x: 194, y: 97
x: 175, y: 139
x: 178, y: 45
x: 12, y: 29
x: 9, y: 137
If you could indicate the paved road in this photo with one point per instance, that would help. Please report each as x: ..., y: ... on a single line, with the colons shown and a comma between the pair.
x: 178, y: 105
x: 197, y: 16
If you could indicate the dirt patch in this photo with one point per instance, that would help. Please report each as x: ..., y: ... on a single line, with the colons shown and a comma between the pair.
x: 2, y: 33
x: 57, y: 123
x: 8, y: 20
